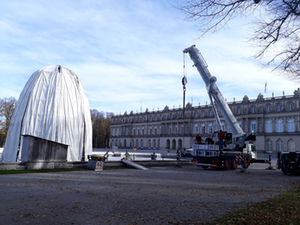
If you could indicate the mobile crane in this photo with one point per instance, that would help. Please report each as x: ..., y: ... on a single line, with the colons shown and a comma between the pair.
x: 239, y: 146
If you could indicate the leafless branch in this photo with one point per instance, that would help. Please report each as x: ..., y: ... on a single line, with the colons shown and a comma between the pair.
x: 276, y: 35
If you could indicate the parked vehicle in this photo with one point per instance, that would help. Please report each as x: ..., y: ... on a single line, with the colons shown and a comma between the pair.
x: 288, y: 162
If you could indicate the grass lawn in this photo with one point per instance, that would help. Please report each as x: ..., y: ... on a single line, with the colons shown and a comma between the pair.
x: 281, y: 209
x: 40, y: 171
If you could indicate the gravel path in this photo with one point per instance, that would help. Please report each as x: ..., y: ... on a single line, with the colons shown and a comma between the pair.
x: 163, y: 195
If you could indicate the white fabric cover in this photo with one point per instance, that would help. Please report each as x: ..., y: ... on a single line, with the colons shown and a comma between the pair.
x: 53, y: 106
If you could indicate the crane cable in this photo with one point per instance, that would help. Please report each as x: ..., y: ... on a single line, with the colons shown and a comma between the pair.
x: 184, y: 82
x: 184, y: 79
x: 184, y: 65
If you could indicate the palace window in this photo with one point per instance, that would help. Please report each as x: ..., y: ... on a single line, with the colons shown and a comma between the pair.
x: 279, y: 146
x: 229, y: 129
x: 210, y: 128
x: 291, y: 125
x: 291, y: 145
x: 196, y: 129
x: 278, y: 107
x: 269, y: 145
x: 279, y: 126
x: 269, y: 126
x: 196, y: 114
x: 222, y: 126
x: 253, y: 127
x: 203, y: 128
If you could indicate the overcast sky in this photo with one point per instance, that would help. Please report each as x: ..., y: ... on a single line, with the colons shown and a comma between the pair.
x: 128, y: 54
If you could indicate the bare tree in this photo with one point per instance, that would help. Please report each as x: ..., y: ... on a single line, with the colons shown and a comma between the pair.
x: 1, y: 117
x: 7, y: 107
x: 101, y: 128
x: 2, y: 134
x: 276, y: 31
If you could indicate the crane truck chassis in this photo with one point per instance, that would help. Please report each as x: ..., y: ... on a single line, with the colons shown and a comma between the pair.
x: 207, y: 155
x: 239, y: 148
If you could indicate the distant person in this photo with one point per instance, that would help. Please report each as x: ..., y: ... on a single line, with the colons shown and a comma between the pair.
x: 221, y: 138
x: 198, y: 139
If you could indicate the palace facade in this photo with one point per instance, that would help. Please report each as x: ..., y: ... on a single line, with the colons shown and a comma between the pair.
x: 274, y: 120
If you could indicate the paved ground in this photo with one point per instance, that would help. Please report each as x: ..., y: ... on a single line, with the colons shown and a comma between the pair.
x: 188, y: 195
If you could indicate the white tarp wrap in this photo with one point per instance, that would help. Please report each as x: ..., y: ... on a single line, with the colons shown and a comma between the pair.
x: 53, y: 106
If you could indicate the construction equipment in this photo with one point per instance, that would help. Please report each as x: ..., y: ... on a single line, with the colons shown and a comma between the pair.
x: 239, y: 146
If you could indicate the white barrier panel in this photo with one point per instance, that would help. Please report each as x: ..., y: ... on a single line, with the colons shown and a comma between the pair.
x: 199, y: 146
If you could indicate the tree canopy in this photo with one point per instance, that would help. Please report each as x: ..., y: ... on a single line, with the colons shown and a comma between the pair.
x: 276, y: 27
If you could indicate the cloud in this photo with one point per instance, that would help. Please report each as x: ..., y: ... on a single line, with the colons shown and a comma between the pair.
x: 126, y: 53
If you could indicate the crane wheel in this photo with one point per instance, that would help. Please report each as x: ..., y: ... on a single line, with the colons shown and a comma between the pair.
x: 233, y: 165
x: 246, y: 162
x: 226, y: 165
